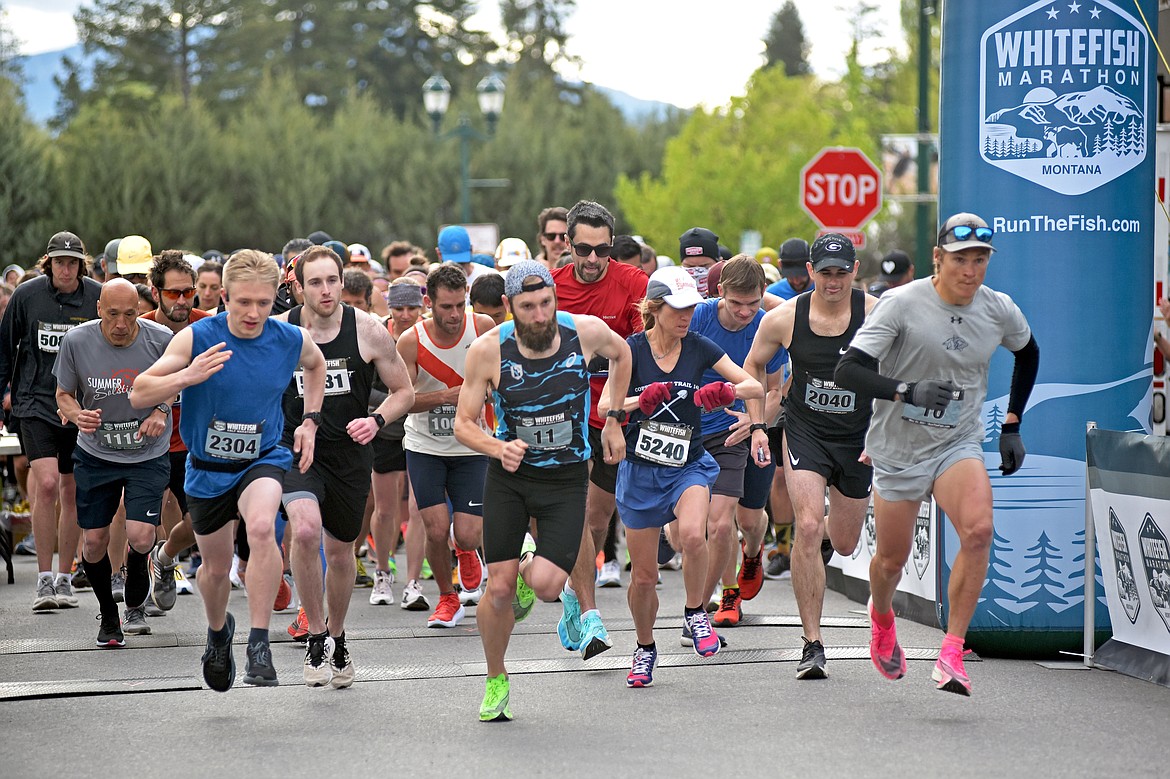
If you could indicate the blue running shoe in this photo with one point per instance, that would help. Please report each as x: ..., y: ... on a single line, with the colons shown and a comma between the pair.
x: 594, y: 638
x: 642, y: 672
x: 569, y: 628
x: 706, y: 642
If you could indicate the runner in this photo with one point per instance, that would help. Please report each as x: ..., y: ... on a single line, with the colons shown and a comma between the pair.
x: 232, y: 370
x: 331, y: 493
x: 39, y: 314
x: 824, y: 427
x: 440, y: 467
x: 937, y: 336
x: 667, y: 474
x: 118, y: 447
x: 535, y: 366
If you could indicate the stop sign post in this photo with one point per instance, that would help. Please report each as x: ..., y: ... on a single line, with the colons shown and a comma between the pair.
x: 840, y: 188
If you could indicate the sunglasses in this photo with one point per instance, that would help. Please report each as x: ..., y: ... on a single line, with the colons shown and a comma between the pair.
x: 602, y: 250
x: 556, y: 236
x: 965, y: 232
x: 175, y: 294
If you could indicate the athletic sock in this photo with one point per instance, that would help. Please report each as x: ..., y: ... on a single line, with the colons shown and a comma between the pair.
x: 569, y: 588
x: 218, y: 637
x: 163, y: 557
x: 44, y: 575
x: 99, y: 579
x: 137, y: 579
x: 63, y: 577
x: 784, y: 538
x: 687, y: 610
x: 952, y: 640
x: 648, y: 647
x: 884, y: 619
x: 258, y: 636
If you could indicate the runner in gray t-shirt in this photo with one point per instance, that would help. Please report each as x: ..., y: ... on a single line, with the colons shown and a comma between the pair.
x: 119, y: 448
x: 933, y: 340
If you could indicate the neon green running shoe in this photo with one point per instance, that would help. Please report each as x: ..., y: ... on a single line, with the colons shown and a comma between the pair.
x: 525, y: 598
x: 495, y: 700
x: 392, y: 566
x: 427, y: 573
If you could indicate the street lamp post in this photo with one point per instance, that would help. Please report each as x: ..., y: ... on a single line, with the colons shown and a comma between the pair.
x: 437, y: 99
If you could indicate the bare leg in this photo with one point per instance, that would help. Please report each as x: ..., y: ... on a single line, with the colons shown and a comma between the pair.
x: 214, y: 586
x: 643, y: 592
x: 964, y: 493
x: 304, y: 517
x: 338, y: 582
x: 258, y: 505
x: 494, y: 615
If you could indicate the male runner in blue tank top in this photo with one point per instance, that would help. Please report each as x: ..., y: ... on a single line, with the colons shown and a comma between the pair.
x: 331, y: 495
x: 535, y: 366
x: 232, y: 370
x: 824, y: 427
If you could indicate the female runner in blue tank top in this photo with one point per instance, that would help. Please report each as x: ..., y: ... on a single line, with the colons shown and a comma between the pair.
x: 667, y: 474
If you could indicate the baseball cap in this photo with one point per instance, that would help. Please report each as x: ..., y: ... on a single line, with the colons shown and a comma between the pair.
x: 979, y: 235
x: 111, y: 254
x: 674, y: 286
x: 793, y: 256
x: 339, y: 249
x: 771, y: 272
x: 134, y: 255
x: 194, y: 260
x: 455, y: 244
x: 514, y: 279
x: 767, y: 255
x: 894, y: 265
x: 714, y: 273
x: 66, y: 244
x: 319, y: 237
x: 698, y: 242
x: 358, y: 252
x: 832, y: 250
x: 511, y: 251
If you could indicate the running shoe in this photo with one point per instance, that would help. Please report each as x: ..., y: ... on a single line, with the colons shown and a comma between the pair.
x: 318, y: 672
x: 299, y: 629
x: 259, y: 670
x: 665, y: 550
x: 688, y: 640
x: 79, y: 581
x: 826, y: 551
x: 610, y: 574
x: 594, y: 638
x: 642, y: 671
x: 340, y: 664
x: 812, y: 660
x: 496, y: 696
x: 134, y: 622
x: 182, y: 583
x: 470, y: 597
x: 426, y: 572
x: 703, y: 636
x: 27, y: 546
x: 118, y: 585
x: 163, y: 584
x: 884, y: 650
x: 448, y: 613
x: 110, y: 633
x: 949, y: 672
x: 362, y: 578
x: 751, y: 575
x: 151, y: 610
x: 219, y: 664
x: 413, y: 598
x: 283, y: 593
x: 730, y: 611
x: 235, y: 576
x: 64, y: 591
x: 383, y: 592
x: 569, y: 626
x: 523, y: 601
x: 779, y: 567
x: 470, y: 569
x: 46, y: 597
x: 673, y: 564
x: 715, y: 600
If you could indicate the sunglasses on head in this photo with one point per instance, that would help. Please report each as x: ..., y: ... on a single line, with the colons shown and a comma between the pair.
x: 966, y: 232
x: 175, y: 294
x: 601, y: 250
x: 556, y: 236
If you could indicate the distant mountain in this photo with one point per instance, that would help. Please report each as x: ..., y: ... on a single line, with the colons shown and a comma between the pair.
x: 1073, y: 124
x: 634, y: 109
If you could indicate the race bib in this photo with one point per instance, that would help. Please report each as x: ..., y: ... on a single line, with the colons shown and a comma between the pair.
x: 50, y: 335
x: 336, y: 378
x: 947, y: 418
x: 547, y: 432
x: 233, y: 440
x: 120, y: 435
x: 441, y: 420
x: 827, y: 398
x: 663, y: 443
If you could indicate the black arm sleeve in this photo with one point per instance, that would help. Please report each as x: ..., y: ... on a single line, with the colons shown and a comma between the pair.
x: 858, y: 371
x: 1024, y: 377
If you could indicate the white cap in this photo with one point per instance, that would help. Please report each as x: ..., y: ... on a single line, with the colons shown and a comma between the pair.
x: 359, y: 252
x: 511, y: 251
x: 674, y: 286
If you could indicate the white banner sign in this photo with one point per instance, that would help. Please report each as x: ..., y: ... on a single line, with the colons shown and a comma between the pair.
x: 919, y: 576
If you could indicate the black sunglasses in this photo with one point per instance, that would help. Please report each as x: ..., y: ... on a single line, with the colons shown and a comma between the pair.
x: 601, y: 250
x: 555, y: 236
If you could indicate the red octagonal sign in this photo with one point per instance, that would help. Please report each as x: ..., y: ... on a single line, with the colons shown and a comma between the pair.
x: 840, y: 188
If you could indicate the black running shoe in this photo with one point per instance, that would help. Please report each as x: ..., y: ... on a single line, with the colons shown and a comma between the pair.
x: 779, y: 567
x: 665, y: 551
x: 110, y: 633
x: 826, y: 551
x: 219, y: 665
x: 259, y: 669
x: 812, y: 661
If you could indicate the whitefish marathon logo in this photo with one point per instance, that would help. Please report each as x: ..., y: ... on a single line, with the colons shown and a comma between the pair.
x: 1063, y: 95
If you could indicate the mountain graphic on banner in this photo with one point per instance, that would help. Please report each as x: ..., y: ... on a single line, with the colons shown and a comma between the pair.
x: 1076, y: 124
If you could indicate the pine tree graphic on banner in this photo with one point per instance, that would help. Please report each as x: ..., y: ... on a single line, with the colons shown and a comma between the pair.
x: 1110, y: 140
x: 1047, y: 588
x: 992, y: 591
x: 994, y: 423
x: 1078, y: 574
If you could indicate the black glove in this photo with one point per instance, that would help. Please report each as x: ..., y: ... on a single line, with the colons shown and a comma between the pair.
x: 931, y: 394
x: 1011, y: 448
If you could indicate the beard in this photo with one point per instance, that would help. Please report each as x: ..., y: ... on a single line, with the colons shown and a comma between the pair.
x: 536, y: 338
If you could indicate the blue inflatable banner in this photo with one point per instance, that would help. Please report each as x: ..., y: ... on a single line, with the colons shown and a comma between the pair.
x: 1047, y: 132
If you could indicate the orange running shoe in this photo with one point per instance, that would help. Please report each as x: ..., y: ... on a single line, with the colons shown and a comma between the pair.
x: 730, y: 611
x: 751, y: 575
x: 470, y: 569
x: 448, y: 613
x: 283, y: 594
x: 299, y: 629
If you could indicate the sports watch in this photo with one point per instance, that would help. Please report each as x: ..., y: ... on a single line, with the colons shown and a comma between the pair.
x: 617, y: 413
x: 313, y: 415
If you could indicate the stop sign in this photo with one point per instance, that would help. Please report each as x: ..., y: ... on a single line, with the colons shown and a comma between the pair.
x: 840, y: 188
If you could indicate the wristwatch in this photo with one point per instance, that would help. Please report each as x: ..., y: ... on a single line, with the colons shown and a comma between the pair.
x: 617, y: 413
x: 313, y: 415
x: 757, y: 426
x: 379, y: 420
x: 903, y: 389
x: 164, y: 407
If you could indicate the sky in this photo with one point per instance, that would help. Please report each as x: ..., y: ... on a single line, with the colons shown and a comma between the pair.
x: 677, y: 51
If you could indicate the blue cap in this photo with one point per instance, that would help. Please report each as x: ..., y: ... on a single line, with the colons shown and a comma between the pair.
x: 455, y: 244
x: 484, y: 259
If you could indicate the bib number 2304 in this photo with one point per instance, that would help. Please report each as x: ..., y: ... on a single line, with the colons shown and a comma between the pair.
x: 233, y: 440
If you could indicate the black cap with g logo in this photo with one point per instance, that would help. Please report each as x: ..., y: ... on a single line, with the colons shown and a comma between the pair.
x: 833, y: 250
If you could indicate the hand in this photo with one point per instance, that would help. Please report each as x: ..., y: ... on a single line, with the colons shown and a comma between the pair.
x: 512, y: 454
x: 761, y: 449
x: 362, y: 430
x: 88, y: 420
x: 652, y: 396
x: 613, y: 444
x: 715, y: 395
x: 1011, y: 448
x: 304, y: 443
x: 864, y: 458
x: 741, y: 428
x: 931, y: 394
x: 451, y: 395
x: 211, y: 361
x: 1164, y: 307
x: 153, y: 425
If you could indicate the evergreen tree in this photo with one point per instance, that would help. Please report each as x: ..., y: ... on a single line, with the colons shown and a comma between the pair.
x: 785, y: 43
x: 994, y: 423
x: 997, y: 568
x: 537, y: 32
x: 26, y: 181
x: 1078, y: 574
x: 1047, y: 588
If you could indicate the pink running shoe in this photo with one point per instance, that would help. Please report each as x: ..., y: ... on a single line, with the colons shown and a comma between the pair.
x: 706, y: 641
x: 950, y: 673
x: 884, y: 651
